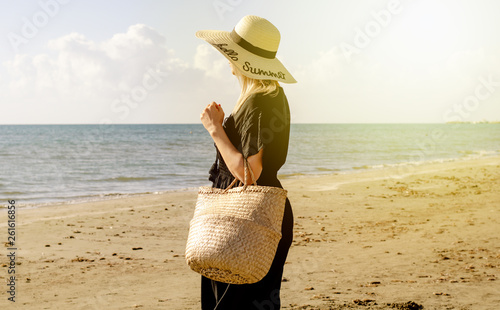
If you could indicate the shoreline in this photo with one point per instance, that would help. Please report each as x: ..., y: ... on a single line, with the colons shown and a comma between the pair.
x: 98, y: 198
x: 361, y: 241
x: 405, y: 167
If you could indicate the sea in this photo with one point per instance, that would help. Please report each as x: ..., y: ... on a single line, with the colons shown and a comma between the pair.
x: 47, y: 164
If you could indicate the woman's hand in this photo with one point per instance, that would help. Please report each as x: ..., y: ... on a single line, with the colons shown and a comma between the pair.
x: 212, y: 117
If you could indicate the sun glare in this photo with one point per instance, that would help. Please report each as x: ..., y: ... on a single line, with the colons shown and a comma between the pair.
x: 427, y: 31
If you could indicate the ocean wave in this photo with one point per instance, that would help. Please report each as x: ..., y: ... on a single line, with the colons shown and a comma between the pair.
x: 478, y: 153
x: 323, y: 169
x: 45, y: 175
x: 11, y: 193
x: 126, y: 179
x: 470, y: 156
x: 362, y: 167
x: 290, y: 175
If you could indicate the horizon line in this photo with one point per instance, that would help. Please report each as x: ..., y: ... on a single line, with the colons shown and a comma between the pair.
x: 298, y: 123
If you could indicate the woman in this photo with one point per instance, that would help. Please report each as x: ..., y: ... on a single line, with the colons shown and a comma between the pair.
x: 257, y: 129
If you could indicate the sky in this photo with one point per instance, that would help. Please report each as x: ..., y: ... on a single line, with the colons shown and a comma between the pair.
x: 377, y: 61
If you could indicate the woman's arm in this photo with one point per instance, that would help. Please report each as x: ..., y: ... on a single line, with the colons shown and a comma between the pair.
x: 212, y: 118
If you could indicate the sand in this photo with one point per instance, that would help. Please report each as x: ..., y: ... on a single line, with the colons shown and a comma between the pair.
x: 424, y: 236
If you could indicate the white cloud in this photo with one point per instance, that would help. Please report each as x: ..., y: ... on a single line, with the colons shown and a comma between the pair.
x: 138, y: 39
x: 331, y: 89
x: 131, y: 78
x: 136, y: 77
x: 209, y: 60
x: 77, y: 79
x: 327, y: 66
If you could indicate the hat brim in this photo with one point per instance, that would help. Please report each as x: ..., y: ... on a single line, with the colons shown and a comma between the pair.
x: 249, y: 64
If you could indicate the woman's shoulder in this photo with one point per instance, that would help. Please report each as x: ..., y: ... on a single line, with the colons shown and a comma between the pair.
x: 259, y: 101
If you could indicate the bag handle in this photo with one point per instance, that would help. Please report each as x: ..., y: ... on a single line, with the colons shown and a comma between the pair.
x: 246, y: 168
x: 252, y: 177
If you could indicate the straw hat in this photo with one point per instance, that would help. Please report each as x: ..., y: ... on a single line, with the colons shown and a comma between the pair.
x: 251, y: 47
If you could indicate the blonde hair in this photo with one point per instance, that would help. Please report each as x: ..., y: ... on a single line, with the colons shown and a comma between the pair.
x: 251, y: 86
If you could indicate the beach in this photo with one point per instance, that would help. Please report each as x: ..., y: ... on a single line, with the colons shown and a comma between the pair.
x: 391, y: 238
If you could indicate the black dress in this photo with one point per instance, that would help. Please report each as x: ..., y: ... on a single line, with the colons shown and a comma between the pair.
x: 263, y: 121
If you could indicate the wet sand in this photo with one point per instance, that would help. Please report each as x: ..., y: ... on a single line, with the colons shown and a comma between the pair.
x: 393, y: 238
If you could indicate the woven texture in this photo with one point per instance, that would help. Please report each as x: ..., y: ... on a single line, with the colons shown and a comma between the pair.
x: 235, y: 232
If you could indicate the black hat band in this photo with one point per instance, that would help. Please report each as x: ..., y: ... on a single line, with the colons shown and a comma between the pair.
x: 250, y: 47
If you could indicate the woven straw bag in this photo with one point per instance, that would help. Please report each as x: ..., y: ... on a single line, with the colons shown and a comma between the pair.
x: 235, y: 232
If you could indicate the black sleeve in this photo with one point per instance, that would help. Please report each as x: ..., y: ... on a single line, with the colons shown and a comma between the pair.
x: 264, y: 123
x: 251, y: 128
